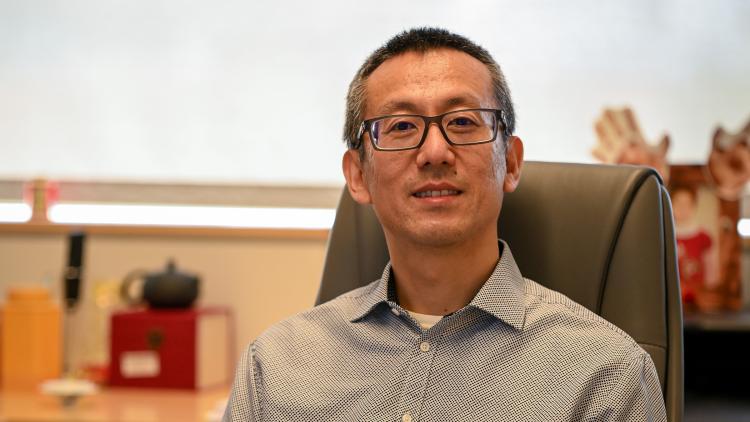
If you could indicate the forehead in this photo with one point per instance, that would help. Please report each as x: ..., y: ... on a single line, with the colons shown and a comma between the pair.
x: 430, y: 82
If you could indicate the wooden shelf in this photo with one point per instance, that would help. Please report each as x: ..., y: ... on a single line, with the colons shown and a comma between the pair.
x: 724, y: 321
x: 122, y: 230
x: 113, y: 404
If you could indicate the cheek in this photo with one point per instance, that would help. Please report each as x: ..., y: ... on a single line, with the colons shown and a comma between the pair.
x: 370, y: 178
x: 379, y: 174
x: 388, y: 170
x: 498, y: 163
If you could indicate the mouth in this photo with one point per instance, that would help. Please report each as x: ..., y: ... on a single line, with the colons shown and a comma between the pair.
x: 436, y: 193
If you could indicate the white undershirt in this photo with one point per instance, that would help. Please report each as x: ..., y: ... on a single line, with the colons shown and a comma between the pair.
x: 425, y: 321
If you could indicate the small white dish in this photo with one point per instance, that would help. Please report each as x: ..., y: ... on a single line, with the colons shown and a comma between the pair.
x: 68, y: 389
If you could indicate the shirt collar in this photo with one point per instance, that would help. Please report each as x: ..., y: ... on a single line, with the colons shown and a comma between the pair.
x: 501, y: 295
x: 373, y: 297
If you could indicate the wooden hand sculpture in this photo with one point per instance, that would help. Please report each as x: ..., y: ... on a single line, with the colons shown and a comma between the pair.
x: 729, y: 162
x: 621, y: 142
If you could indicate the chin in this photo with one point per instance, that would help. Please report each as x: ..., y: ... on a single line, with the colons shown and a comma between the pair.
x: 439, y: 236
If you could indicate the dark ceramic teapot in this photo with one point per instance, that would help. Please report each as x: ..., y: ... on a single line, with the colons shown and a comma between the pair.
x: 167, y: 289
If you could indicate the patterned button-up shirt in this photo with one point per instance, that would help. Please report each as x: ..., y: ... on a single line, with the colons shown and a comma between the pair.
x: 517, y: 352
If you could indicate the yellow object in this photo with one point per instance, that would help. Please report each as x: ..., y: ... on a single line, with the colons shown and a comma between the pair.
x: 31, y: 338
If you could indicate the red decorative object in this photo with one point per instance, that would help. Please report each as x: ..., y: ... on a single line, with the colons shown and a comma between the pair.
x: 186, y: 348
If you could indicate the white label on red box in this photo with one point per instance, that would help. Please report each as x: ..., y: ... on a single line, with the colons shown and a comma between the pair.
x: 140, y: 364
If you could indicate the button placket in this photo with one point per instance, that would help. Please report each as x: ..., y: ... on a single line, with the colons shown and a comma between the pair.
x: 415, y: 387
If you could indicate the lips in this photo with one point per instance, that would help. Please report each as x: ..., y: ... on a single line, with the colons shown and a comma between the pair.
x: 436, y: 190
x: 436, y: 193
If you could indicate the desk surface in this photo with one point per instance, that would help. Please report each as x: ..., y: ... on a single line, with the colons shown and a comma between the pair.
x: 113, y: 404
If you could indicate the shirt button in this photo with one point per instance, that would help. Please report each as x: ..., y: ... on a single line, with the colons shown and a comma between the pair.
x: 424, y: 346
x: 406, y: 417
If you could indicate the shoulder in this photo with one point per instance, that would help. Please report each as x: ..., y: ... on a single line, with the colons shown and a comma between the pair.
x: 597, y: 359
x: 318, y: 325
x: 574, y: 327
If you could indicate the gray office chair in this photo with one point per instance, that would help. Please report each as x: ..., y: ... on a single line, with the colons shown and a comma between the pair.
x: 602, y: 235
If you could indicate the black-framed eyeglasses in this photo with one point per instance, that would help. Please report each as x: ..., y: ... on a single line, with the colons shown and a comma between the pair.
x: 398, y: 132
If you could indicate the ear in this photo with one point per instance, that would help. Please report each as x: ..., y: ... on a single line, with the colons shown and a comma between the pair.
x: 355, y: 177
x: 513, y: 163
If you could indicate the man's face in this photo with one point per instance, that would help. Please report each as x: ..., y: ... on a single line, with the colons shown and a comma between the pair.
x: 439, y: 194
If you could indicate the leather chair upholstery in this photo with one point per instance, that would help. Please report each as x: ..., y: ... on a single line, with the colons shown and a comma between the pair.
x: 602, y: 235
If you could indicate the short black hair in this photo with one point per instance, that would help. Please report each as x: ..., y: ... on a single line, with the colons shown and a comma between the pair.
x: 422, y: 40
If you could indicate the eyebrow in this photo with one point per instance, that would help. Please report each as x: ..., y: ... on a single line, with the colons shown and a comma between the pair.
x: 394, y: 106
x: 409, y: 107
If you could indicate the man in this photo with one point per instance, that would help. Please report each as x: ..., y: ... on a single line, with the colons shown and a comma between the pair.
x: 451, y: 331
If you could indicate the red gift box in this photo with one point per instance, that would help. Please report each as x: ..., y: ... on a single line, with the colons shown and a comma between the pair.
x: 186, y: 348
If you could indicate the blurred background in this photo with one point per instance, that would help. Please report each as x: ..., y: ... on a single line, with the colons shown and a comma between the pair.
x: 253, y: 92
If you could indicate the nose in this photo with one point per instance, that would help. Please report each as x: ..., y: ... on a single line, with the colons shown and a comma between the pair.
x: 435, y: 150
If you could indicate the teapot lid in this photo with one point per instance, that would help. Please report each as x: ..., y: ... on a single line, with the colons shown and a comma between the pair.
x: 171, y: 271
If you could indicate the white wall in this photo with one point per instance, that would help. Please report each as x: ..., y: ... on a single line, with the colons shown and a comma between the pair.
x: 253, y: 91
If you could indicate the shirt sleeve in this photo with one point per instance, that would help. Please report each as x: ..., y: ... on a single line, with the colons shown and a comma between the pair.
x: 243, y: 399
x: 637, y: 396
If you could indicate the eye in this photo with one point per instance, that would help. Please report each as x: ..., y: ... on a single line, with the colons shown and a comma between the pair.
x: 461, y: 122
x: 401, y: 126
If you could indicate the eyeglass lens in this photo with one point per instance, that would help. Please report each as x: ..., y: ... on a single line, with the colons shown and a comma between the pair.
x: 461, y: 127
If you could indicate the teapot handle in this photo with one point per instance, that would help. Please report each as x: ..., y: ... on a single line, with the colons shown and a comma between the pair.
x: 126, y: 286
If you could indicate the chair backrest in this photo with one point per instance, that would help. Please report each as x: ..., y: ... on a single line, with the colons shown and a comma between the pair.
x: 602, y: 235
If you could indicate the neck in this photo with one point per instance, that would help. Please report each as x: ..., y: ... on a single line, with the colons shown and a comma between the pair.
x: 442, y: 280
